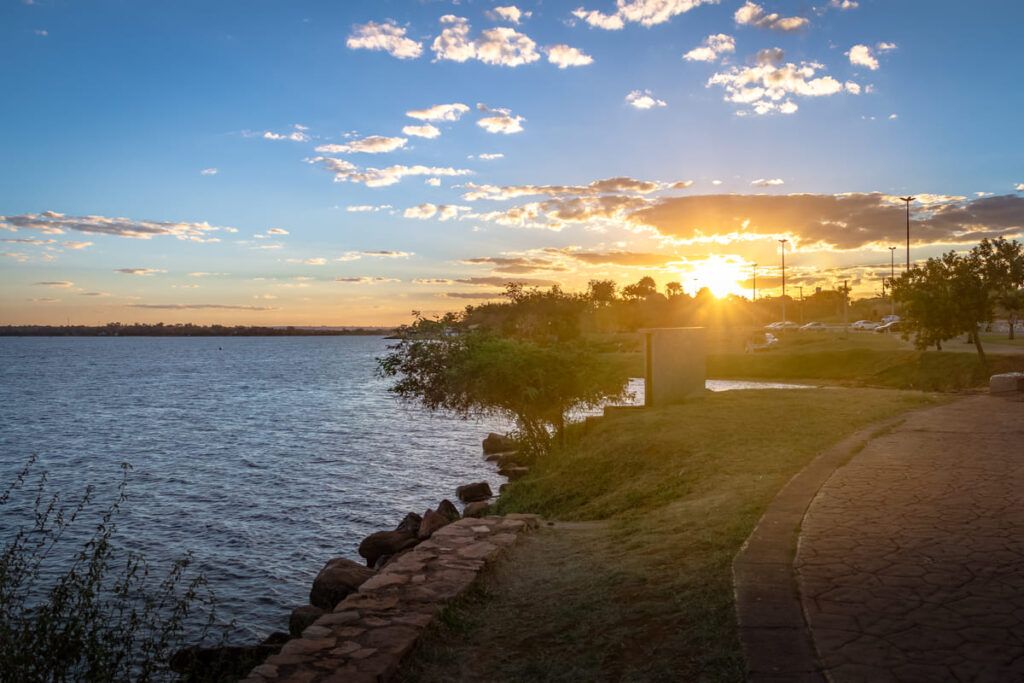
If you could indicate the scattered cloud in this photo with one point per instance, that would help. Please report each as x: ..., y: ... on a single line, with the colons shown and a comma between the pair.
x: 53, y: 223
x: 41, y: 32
x: 18, y: 256
x: 365, y: 280
x: 367, y: 208
x: 516, y: 265
x: 315, y: 261
x: 564, y: 56
x: 76, y: 245
x: 768, y: 86
x: 387, y: 37
x: 345, y: 171
x: 209, y: 171
x: 1019, y: 187
x: 509, y: 13
x: 643, y: 12
x: 473, y: 295
x: 187, y: 307
x: 767, y: 182
x: 500, y: 46
x: 61, y: 284
x: 598, y: 187
x: 424, y: 131
x: 439, y: 112
x: 885, y: 47
x: 497, y: 281
x: 27, y: 240
x: 713, y: 47
x: 752, y: 14
x: 277, y: 231
x: 500, y: 120
x: 844, y: 4
x: 297, y: 134
x: 615, y: 258
x: 443, y: 212
x: 43, y: 300
x: 139, y: 271
x: 644, y: 99
x: 433, y: 182
x: 373, y: 144
x: 861, y: 55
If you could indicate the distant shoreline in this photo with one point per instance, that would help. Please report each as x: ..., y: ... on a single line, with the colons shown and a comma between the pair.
x: 161, y: 330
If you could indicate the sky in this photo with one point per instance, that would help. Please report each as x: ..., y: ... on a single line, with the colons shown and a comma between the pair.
x: 347, y: 163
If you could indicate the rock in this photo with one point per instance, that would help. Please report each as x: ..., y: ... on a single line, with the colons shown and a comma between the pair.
x: 477, y: 509
x: 386, y: 543
x: 432, y: 521
x: 410, y: 524
x: 338, y: 578
x: 448, y: 509
x: 469, y: 493
x: 504, y: 459
x: 514, y: 473
x: 225, y: 663
x: 497, y: 443
x: 303, y: 617
x: 277, y: 638
x: 501, y: 489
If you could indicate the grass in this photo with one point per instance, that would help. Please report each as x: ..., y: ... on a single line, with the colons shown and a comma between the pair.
x: 856, y: 359
x: 638, y: 586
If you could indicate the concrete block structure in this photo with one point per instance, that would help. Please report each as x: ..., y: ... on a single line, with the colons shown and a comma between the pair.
x: 1010, y: 382
x: 675, y: 364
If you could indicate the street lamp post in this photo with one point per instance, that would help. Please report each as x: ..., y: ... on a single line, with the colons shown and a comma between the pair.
x: 892, y: 277
x: 801, y: 288
x: 908, y: 199
x: 755, y: 283
x: 783, y: 244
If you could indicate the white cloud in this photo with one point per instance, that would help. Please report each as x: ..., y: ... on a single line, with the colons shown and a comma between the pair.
x: 752, y: 14
x: 53, y: 223
x: 345, y: 171
x: 426, y: 211
x: 712, y: 48
x: 387, y: 37
x: 76, y: 245
x: 139, y: 271
x: 432, y: 182
x: 767, y: 182
x: 373, y: 144
x: 19, y: 256
x: 509, y: 13
x: 60, y: 284
x: 500, y: 46
x: 893, y: 117
x: 209, y: 171
x: 861, y: 55
x: 439, y: 112
x: 425, y: 131
x: 644, y: 99
x: 767, y: 86
x: 277, y: 231
x: 297, y: 134
x: 500, y: 120
x: 643, y: 12
x: 844, y: 4
x: 716, y: 182
x: 365, y: 280
x: 1019, y: 187
x: 885, y: 47
x: 852, y: 88
x: 366, y: 208
x: 488, y: 157
x: 564, y: 56
x: 316, y: 261
x: 187, y: 307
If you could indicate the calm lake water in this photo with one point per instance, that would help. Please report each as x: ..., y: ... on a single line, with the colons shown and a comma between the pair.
x: 262, y: 456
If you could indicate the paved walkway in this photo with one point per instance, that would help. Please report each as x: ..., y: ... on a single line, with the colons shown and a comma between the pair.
x: 910, y: 562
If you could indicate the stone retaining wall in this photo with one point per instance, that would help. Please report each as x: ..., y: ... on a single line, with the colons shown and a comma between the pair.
x: 368, y: 633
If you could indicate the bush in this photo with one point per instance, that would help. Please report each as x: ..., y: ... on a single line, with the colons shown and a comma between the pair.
x: 89, y: 611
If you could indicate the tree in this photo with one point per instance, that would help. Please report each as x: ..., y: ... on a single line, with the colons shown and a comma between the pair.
x: 601, y: 292
x: 1004, y: 270
x: 643, y: 289
x: 946, y: 297
x: 673, y: 289
x: 522, y: 362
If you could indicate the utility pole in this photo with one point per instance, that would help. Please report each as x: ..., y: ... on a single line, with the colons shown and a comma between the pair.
x: 892, y: 278
x: 783, y: 243
x: 908, y: 199
x: 755, y: 283
x: 801, y: 288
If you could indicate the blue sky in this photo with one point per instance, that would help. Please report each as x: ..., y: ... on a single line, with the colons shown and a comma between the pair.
x: 810, y: 117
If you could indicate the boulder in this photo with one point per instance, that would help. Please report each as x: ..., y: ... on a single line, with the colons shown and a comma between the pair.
x: 477, y: 509
x: 504, y: 459
x: 497, y: 443
x: 448, y: 509
x: 469, y: 493
x: 337, y: 579
x: 386, y: 543
x: 303, y: 617
x: 432, y: 521
x: 410, y: 524
x: 276, y: 638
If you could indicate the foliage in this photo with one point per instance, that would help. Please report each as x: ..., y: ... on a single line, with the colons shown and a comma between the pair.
x: 956, y: 294
x: 524, y: 360
x: 91, y: 614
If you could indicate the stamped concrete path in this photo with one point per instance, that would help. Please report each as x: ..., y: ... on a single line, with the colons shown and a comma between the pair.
x: 910, y: 561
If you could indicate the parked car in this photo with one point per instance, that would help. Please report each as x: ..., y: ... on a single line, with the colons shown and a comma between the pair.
x: 863, y: 325
x: 890, y: 319
x: 893, y: 326
x: 814, y: 327
x: 780, y: 325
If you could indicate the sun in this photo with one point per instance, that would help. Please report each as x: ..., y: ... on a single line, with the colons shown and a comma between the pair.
x: 721, y: 275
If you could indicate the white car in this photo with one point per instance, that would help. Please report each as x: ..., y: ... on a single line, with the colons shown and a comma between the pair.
x: 890, y: 319
x: 814, y: 327
x: 780, y: 325
x: 863, y: 325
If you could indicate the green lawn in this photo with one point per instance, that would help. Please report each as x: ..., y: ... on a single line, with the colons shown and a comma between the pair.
x: 645, y: 593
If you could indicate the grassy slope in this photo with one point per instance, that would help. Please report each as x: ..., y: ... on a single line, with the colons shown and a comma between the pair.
x: 646, y: 595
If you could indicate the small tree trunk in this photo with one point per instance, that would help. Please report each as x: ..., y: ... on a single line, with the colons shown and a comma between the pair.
x: 977, y: 345
x: 1013, y: 324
